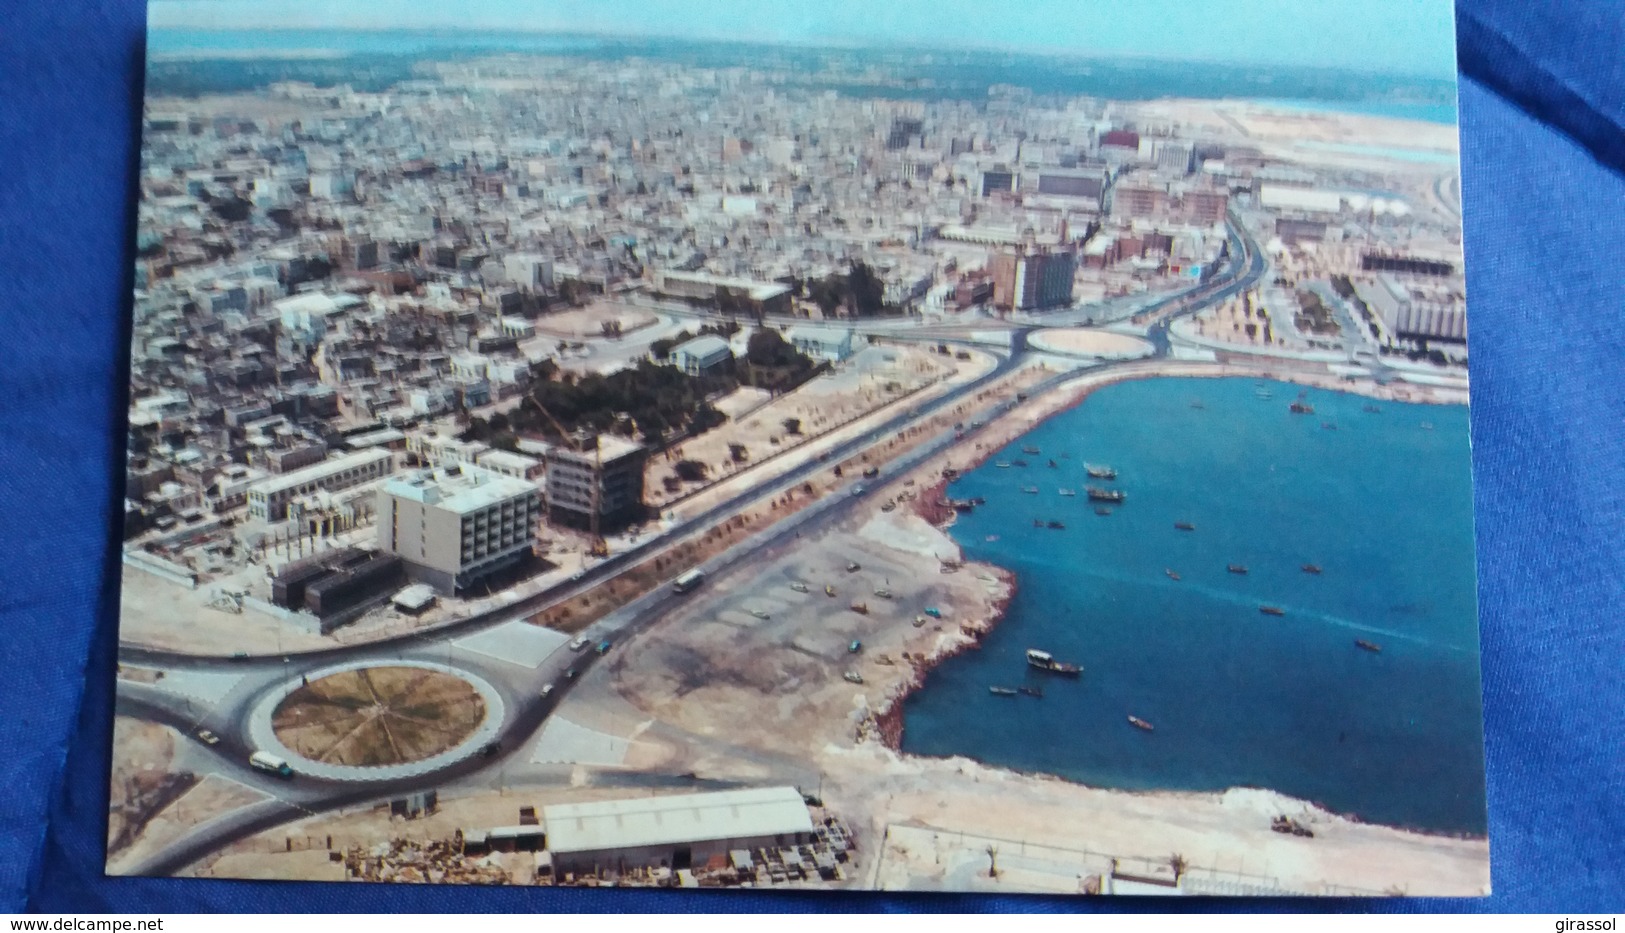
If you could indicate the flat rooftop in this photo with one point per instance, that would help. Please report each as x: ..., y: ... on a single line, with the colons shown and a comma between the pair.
x: 459, y: 489
x: 318, y: 472
x: 676, y: 819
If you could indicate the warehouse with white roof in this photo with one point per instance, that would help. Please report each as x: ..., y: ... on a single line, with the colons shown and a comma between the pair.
x: 677, y: 831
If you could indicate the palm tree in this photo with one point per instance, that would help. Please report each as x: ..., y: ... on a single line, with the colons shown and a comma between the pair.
x: 1178, y: 864
x: 993, y: 861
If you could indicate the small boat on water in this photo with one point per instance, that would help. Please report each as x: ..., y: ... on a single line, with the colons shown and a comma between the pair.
x: 1372, y: 409
x: 1030, y: 490
x: 1198, y: 403
x: 1327, y: 426
x: 1031, y: 692
x: 1184, y: 526
x: 1045, y: 661
x: 1272, y: 610
x: 1171, y: 574
x: 1068, y: 492
x: 1097, y: 494
x: 1102, y: 510
x: 991, y: 538
x: 1053, y: 464
x: 1002, y: 691
x: 1370, y: 646
x: 1003, y: 464
x: 1427, y: 425
x: 1055, y: 524
x: 1141, y: 724
x: 1100, y: 472
x: 1236, y: 568
x: 1019, y: 463
x: 1311, y: 568
x: 1029, y: 450
x: 1301, y: 407
x: 1264, y: 393
x: 1038, y: 523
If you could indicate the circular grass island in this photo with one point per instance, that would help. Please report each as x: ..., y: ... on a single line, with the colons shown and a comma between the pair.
x: 378, y: 716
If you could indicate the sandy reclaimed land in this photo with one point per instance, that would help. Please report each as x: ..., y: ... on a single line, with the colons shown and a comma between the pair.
x: 1265, y: 123
x: 1223, y: 836
x: 142, y: 756
x: 710, y: 662
x: 211, y: 797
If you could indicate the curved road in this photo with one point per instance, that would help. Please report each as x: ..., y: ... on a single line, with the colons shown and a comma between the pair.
x: 305, y: 796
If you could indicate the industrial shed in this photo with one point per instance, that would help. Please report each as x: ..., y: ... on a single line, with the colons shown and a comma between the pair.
x: 676, y: 831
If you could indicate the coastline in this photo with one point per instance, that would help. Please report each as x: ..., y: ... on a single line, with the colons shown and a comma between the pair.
x: 930, y: 506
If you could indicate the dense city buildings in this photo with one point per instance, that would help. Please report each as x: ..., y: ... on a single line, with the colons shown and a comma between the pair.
x: 578, y: 436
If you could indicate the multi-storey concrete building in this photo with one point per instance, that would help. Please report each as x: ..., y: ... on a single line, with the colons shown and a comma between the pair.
x: 1033, y: 280
x: 268, y: 500
x: 602, y: 467
x: 455, y: 525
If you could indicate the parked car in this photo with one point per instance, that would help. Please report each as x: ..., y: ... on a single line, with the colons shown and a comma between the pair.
x: 579, y: 642
x: 207, y: 737
x: 604, y: 646
x: 547, y: 690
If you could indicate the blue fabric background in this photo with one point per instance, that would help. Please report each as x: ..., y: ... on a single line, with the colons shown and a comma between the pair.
x: 1542, y: 109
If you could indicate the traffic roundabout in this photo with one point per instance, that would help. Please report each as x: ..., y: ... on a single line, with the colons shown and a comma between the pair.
x: 368, y: 721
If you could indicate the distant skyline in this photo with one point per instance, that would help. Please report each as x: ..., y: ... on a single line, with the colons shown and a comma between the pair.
x: 1414, y: 37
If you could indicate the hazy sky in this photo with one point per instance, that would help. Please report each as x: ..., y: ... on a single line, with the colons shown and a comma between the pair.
x: 1407, y: 36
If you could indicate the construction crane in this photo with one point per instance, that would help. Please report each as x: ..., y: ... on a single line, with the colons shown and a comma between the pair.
x: 577, y: 441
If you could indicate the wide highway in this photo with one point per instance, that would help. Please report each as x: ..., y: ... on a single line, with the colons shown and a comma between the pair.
x: 526, y: 711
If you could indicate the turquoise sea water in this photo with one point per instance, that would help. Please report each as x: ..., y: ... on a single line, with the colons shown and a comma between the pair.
x: 1238, y: 698
x: 1427, y: 112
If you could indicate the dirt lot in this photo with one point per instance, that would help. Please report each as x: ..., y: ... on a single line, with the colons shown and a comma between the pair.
x: 578, y: 323
x: 873, y: 378
x: 207, y: 799
x: 764, y: 645
x: 141, y: 783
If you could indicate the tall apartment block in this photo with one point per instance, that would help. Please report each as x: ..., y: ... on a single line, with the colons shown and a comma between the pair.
x: 454, y: 525
x: 1033, y: 280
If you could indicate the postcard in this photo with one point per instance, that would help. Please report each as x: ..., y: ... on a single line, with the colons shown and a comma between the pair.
x: 716, y: 445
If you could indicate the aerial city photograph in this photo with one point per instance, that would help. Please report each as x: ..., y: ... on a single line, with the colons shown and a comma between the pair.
x: 939, y: 447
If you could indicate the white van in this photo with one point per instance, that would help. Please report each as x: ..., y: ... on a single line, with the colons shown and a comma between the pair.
x: 265, y: 761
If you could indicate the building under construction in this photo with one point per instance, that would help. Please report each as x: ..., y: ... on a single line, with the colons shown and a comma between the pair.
x: 590, y: 473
